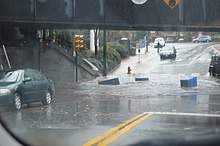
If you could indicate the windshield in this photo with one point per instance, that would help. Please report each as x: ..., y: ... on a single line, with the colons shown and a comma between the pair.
x: 167, y: 48
x: 158, y: 39
x: 110, y: 72
x: 13, y: 76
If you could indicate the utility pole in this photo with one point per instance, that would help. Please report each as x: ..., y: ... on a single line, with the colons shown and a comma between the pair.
x: 104, y: 54
x: 104, y: 41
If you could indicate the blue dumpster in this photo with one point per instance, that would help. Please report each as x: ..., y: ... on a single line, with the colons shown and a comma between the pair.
x: 190, y: 81
x: 141, y: 79
x: 114, y: 81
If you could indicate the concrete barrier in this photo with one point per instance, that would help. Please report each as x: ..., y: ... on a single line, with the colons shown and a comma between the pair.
x: 114, y: 81
x: 141, y: 79
x: 190, y: 81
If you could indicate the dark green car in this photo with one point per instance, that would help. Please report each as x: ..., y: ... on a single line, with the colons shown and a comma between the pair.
x: 214, y: 67
x: 24, y: 86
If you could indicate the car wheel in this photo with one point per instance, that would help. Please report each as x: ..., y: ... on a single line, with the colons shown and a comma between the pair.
x: 17, y: 102
x: 48, y: 98
x: 207, y: 41
x: 212, y: 73
x: 196, y: 41
x: 161, y: 57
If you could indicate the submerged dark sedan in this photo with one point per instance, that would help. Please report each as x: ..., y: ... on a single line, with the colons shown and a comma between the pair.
x: 24, y: 86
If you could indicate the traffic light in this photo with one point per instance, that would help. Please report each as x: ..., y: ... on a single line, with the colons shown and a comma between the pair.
x: 78, y: 41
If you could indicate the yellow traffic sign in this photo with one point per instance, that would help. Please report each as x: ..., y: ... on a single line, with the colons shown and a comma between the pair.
x: 172, y: 3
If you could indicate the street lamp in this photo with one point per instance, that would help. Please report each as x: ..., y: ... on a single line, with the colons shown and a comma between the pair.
x: 139, y: 2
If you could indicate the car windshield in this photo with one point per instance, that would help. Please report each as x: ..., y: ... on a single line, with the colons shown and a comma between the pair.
x: 110, y: 72
x: 167, y: 48
x: 158, y: 39
x: 12, y: 76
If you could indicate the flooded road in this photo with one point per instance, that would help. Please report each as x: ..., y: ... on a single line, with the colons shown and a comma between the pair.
x: 86, y: 110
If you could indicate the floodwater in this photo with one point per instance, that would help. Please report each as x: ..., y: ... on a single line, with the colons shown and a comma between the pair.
x: 87, y: 109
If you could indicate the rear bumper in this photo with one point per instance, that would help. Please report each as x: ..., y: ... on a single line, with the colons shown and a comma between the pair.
x: 168, y: 56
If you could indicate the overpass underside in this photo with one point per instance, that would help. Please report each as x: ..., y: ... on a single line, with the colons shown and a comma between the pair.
x: 188, y: 15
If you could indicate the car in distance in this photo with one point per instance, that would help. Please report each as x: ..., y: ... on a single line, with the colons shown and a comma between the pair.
x: 204, y: 38
x: 159, y: 41
x: 214, y: 67
x: 181, y: 40
x: 169, y: 40
x: 167, y: 52
x: 24, y: 86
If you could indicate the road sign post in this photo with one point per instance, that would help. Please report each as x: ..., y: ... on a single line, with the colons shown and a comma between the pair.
x: 139, y: 55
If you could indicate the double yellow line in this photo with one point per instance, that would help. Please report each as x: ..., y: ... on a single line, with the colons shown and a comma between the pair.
x: 115, y: 132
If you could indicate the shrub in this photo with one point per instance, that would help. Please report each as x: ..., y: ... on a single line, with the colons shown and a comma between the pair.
x: 86, y: 53
x: 124, y: 52
x: 113, y: 58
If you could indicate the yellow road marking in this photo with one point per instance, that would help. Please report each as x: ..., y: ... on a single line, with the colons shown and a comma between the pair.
x: 116, y: 135
x: 113, y: 133
x: 110, y: 131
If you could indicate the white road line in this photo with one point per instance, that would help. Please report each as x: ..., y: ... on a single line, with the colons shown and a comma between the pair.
x: 185, y: 114
x: 175, y: 65
x: 190, y: 74
x: 178, y: 60
x: 215, y: 49
x: 209, y: 48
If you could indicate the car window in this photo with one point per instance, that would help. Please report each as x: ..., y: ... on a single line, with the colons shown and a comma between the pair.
x: 218, y: 58
x: 158, y: 39
x: 171, y: 48
x: 12, y: 76
x: 28, y: 73
x: 37, y: 75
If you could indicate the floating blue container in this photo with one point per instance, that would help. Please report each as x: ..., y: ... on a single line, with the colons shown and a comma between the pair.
x: 189, y: 82
x: 114, y: 81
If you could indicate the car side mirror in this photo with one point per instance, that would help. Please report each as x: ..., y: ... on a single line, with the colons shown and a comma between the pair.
x: 27, y: 79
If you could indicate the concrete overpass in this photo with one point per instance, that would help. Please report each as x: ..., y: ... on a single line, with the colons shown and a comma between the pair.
x: 188, y: 15
x: 198, y: 15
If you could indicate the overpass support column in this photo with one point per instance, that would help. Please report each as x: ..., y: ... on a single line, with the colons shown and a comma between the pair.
x: 104, y: 54
x: 92, y: 45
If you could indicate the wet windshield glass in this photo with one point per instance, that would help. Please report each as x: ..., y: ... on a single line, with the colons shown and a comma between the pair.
x: 168, y: 48
x: 11, y: 76
x: 110, y: 72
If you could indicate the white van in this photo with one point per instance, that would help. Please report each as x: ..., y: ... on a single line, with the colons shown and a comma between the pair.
x: 160, y: 40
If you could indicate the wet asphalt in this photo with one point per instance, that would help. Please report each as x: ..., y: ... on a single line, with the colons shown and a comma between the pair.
x: 86, y: 110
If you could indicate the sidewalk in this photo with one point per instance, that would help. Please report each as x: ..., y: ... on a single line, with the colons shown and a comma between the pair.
x: 141, y: 63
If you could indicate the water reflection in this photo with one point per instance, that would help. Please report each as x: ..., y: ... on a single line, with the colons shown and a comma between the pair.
x: 189, y: 100
x: 110, y: 106
x: 89, y: 112
x: 214, y: 104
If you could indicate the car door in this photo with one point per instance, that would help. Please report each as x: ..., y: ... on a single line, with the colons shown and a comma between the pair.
x: 29, y: 87
x: 217, y: 65
x: 41, y: 84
